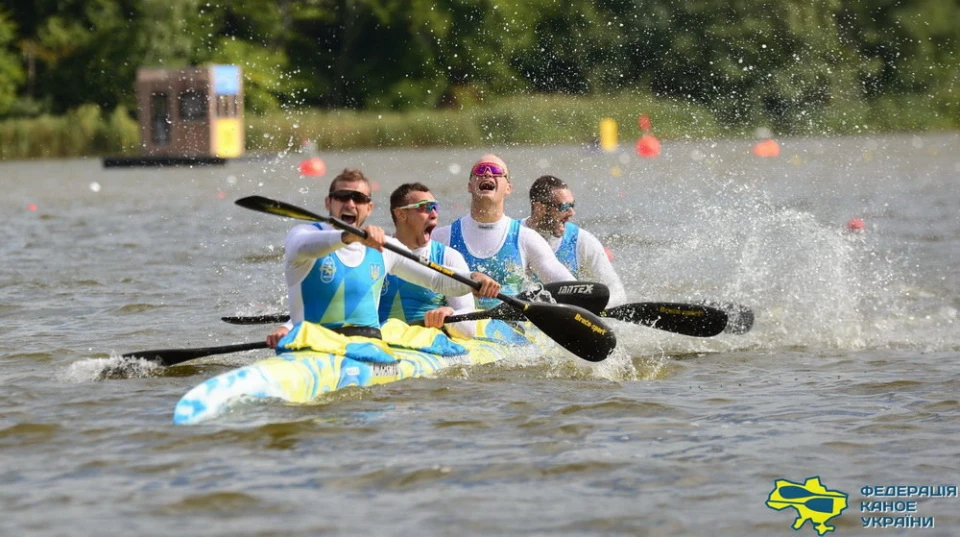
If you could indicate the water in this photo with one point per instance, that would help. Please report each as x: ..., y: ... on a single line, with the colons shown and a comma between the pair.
x: 850, y: 372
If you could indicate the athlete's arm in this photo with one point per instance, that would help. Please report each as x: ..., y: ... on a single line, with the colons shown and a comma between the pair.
x: 596, y: 267
x: 414, y: 272
x: 306, y: 242
x: 540, y: 257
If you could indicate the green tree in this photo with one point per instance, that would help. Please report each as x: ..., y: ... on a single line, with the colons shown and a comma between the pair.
x: 11, y: 73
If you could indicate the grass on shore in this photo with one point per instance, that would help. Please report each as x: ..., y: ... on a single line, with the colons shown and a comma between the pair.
x: 526, y: 120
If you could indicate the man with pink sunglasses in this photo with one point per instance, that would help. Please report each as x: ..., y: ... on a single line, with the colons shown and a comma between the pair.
x: 495, y: 244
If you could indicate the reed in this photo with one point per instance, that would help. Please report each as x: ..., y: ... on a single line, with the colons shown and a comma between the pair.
x: 523, y: 120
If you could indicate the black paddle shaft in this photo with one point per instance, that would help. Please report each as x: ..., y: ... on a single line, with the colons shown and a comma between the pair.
x: 170, y: 357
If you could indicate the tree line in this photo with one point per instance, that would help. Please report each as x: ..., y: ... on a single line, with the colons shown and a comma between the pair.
x: 782, y: 62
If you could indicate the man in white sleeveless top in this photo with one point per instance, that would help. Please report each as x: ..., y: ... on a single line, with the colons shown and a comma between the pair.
x: 495, y: 244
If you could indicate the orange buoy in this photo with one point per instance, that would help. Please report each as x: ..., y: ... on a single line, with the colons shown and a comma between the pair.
x: 766, y: 148
x: 313, y: 167
x: 648, y: 146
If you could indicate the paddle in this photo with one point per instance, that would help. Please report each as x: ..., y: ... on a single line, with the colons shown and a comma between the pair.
x: 572, y: 327
x: 687, y: 319
x: 170, y: 357
x: 590, y: 296
x: 270, y: 318
x: 739, y: 317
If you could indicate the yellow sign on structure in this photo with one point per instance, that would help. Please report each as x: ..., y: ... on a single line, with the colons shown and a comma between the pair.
x: 227, y: 140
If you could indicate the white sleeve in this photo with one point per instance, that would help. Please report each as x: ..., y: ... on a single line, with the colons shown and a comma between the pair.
x: 596, y: 267
x: 540, y: 257
x: 303, y: 246
x: 463, y: 303
x: 414, y: 272
x: 306, y: 242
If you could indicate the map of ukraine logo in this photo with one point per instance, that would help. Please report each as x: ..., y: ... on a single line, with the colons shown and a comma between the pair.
x: 812, y: 500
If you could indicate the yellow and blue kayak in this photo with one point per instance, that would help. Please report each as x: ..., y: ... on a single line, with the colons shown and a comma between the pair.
x: 312, y: 361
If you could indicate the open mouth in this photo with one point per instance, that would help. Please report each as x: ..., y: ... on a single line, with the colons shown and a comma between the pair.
x: 349, y: 218
x: 487, y: 185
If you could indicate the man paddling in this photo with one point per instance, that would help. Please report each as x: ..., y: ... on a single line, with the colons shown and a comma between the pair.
x: 415, y: 214
x: 334, y: 278
x: 494, y: 243
x: 552, y: 206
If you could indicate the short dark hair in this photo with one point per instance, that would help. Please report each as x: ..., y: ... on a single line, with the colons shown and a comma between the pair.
x: 542, y: 189
x: 398, y: 198
x: 349, y: 175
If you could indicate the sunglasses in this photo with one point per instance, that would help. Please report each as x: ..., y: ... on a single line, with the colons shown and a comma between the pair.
x: 344, y: 196
x: 485, y: 168
x: 564, y: 207
x: 424, y: 206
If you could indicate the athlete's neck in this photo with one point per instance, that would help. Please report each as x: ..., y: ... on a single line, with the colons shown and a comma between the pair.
x: 486, y: 212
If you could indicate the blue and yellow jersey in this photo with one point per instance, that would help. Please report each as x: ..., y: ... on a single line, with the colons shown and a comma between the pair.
x: 335, y: 295
x: 506, y: 266
x: 409, y: 302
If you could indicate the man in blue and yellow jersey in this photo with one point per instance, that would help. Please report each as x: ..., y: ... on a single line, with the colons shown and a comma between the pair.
x: 552, y: 206
x: 334, y: 277
x: 415, y: 214
x: 494, y: 243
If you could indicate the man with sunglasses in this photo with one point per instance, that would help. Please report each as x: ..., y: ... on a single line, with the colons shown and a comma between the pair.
x: 415, y: 214
x: 494, y: 243
x: 552, y: 207
x: 334, y: 278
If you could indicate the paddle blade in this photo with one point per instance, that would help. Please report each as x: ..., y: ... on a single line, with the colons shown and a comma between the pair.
x: 272, y: 318
x: 170, y: 357
x: 686, y: 319
x: 591, y: 296
x: 573, y: 328
x: 739, y: 317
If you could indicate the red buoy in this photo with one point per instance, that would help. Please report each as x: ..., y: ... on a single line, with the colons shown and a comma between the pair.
x: 648, y: 146
x: 313, y: 167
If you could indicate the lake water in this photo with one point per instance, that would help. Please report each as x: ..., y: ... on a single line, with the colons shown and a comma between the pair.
x: 851, y: 372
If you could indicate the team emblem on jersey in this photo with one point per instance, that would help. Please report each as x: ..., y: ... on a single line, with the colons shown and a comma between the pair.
x: 375, y: 270
x: 385, y: 288
x: 328, y: 269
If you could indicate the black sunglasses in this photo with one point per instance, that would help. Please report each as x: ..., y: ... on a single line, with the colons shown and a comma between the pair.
x: 346, y: 195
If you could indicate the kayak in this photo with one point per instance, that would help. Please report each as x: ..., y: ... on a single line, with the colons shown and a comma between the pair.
x: 313, y: 361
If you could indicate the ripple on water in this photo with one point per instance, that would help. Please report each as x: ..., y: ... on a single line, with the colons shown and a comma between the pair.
x: 29, y: 434
x: 223, y: 503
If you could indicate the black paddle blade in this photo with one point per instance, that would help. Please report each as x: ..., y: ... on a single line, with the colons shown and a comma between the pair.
x: 739, y: 317
x: 573, y: 328
x: 170, y: 357
x: 687, y: 319
x: 591, y: 296
x: 272, y: 318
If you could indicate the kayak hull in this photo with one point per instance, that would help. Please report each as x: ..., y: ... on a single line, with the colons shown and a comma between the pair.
x: 303, y: 376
